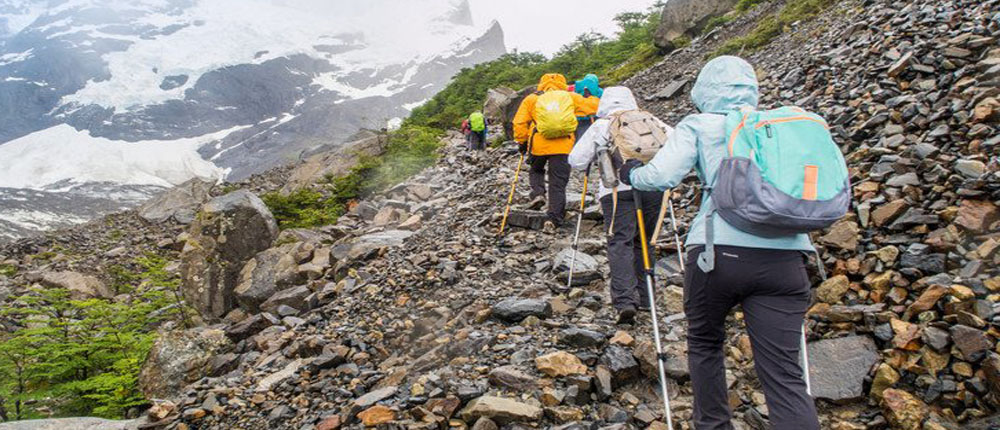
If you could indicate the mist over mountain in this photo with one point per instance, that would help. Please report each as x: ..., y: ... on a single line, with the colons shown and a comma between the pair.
x: 107, y: 102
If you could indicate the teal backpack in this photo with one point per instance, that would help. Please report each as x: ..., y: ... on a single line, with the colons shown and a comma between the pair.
x: 784, y: 175
x: 477, y: 122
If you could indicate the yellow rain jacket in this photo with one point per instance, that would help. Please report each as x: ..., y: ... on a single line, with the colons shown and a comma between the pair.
x: 524, y: 121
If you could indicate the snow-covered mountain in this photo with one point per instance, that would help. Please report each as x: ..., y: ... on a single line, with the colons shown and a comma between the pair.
x: 103, y: 102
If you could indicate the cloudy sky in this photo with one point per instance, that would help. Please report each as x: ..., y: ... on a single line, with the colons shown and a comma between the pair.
x: 547, y: 25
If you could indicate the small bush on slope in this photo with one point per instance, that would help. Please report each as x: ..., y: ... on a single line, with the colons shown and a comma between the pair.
x: 410, y: 150
x: 82, y: 357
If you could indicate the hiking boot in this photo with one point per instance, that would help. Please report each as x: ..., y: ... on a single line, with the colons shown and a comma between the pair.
x: 536, y: 203
x: 549, y: 227
x: 626, y: 315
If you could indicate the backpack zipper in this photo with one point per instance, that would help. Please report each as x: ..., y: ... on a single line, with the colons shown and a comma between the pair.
x: 790, y: 119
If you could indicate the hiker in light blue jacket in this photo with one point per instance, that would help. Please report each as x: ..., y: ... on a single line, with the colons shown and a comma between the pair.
x: 767, y: 276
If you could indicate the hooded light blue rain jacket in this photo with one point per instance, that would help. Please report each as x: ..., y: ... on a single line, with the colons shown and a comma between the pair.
x: 726, y: 83
x: 592, y: 83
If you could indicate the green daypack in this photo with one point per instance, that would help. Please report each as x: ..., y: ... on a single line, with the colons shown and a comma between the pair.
x: 784, y: 175
x: 477, y: 122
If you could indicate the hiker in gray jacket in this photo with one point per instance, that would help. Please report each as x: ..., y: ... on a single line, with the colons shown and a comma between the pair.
x: 628, y: 291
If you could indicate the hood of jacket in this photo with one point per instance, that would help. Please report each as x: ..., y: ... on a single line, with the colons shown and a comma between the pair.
x: 551, y: 82
x: 616, y: 99
x: 592, y: 83
x: 726, y: 83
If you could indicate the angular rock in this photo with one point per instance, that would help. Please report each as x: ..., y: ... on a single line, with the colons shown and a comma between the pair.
x: 621, y: 363
x: 560, y: 363
x: 501, y: 410
x: 515, y: 310
x: 971, y: 342
x: 79, y: 286
x: 268, y: 272
x: 581, y: 338
x: 831, y: 290
x: 903, y: 410
x: 843, y: 235
x: 512, y: 378
x: 838, y: 367
x: 178, y: 204
x: 294, y: 298
x: 976, y: 215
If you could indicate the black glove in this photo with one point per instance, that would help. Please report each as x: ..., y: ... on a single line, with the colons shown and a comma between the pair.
x: 625, y: 172
x: 522, y: 148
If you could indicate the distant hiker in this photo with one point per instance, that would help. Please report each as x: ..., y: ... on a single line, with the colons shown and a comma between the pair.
x: 477, y: 131
x: 589, y: 86
x: 727, y: 265
x: 467, y: 132
x: 628, y: 288
x: 571, y: 86
x: 546, y: 123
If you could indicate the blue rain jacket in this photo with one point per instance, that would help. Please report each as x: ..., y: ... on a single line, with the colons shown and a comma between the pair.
x: 699, y: 142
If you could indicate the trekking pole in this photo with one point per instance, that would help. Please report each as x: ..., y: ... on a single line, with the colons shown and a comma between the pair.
x: 804, y: 354
x: 668, y: 204
x: 677, y: 235
x: 579, y: 220
x: 510, y: 198
x: 660, y: 356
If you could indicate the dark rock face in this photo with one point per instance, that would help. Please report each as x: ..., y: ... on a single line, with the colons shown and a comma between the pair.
x: 679, y: 17
x: 838, y: 367
x: 228, y: 231
x: 179, y: 358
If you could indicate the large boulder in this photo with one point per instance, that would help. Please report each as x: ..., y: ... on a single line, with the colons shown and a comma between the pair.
x: 511, y: 109
x: 684, y: 17
x: 179, y: 358
x: 79, y: 286
x: 227, y: 232
x: 179, y: 204
x: 271, y: 271
x: 497, y: 100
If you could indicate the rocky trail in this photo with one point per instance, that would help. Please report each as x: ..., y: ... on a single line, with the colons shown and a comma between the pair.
x: 411, y: 313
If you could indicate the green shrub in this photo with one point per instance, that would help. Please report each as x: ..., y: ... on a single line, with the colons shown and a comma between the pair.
x: 411, y: 149
x: 745, y: 5
x: 82, y: 357
x: 8, y: 270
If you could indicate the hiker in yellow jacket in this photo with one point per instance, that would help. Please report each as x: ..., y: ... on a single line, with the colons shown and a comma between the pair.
x: 551, y: 145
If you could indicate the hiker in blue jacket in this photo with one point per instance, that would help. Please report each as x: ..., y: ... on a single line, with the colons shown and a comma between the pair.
x: 767, y: 276
x: 589, y: 86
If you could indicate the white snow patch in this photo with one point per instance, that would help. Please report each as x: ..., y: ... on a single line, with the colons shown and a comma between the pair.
x: 39, y: 220
x: 240, y: 29
x: 15, y: 57
x: 414, y: 105
x: 62, y: 154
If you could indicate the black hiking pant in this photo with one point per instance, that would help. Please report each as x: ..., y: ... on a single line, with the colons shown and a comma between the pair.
x: 773, y: 288
x: 558, y: 177
x: 477, y: 140
x: 628, y: 274
x: 582, y: 126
